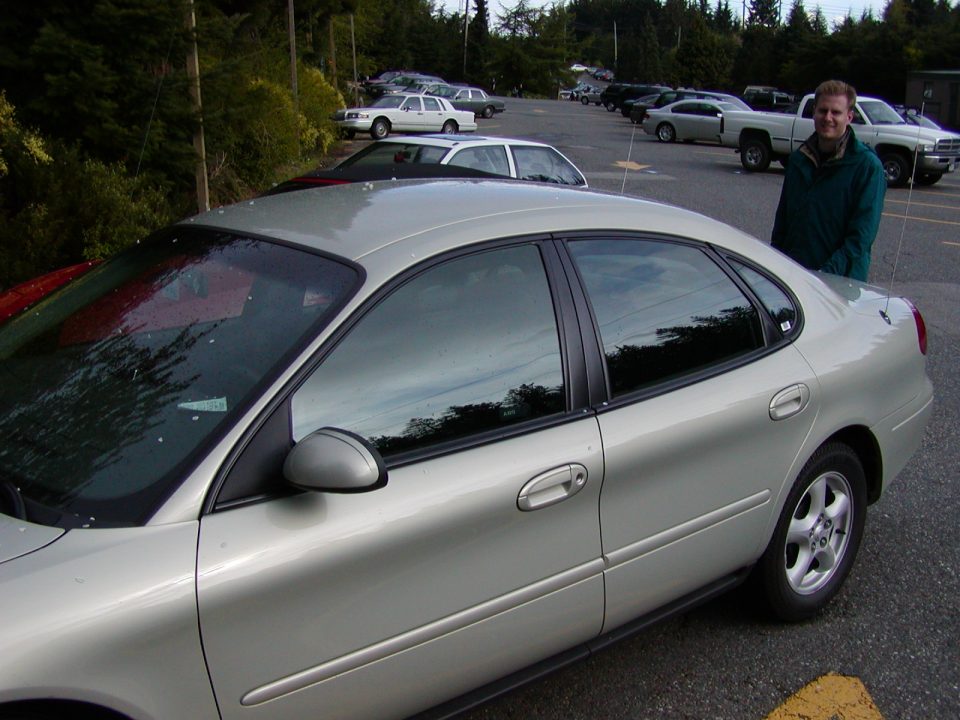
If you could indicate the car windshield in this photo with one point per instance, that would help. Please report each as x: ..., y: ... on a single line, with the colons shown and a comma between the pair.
x: 388, y: 153
x: 879, y: 113
x: 110, y: 387
x: 389, y: 101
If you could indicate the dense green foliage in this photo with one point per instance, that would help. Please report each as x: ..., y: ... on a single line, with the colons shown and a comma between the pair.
x: 97, y: 126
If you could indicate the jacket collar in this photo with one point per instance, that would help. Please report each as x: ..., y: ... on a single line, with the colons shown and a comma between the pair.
x: 811, y: 149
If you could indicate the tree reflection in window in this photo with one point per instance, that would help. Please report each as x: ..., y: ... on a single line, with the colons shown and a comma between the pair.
x: 664, y: 309
x: 469, y: 346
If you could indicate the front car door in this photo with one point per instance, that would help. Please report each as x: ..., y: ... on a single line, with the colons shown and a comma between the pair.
x: 479, y: 556
x: 695, y: 357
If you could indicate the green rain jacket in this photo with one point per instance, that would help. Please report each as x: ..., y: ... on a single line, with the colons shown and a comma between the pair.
x: 828, y: 215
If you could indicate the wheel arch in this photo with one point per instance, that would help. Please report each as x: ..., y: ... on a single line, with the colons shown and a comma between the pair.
x: 756, y: 134
x: 859, y: 439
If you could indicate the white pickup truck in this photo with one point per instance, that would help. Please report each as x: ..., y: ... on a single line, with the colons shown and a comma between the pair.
x: 761, y: 137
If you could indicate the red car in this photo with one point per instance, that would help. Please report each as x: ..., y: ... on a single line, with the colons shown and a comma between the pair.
x: 22, y: 296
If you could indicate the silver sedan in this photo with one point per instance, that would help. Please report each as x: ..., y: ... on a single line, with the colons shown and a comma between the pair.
x: 687, y: 120
x: 357, y: 451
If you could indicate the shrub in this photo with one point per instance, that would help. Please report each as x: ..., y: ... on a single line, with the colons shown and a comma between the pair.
x: 58, y: 207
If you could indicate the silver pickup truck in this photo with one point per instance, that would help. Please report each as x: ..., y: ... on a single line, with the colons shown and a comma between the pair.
x: 761, y: 137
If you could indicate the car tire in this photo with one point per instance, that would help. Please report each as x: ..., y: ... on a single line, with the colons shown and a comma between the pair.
x: 896, y: 166
x: 610, y: 106
x: 817, y: 536
x: 487, y: 112
x: 666, y: 133
x: 755, y: 155
x: 928, y: 178
x: 379, y: 128
x: 449, y: 128
x: 584, y: 101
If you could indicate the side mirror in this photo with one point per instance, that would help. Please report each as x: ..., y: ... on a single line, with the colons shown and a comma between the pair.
x: 334, y: 460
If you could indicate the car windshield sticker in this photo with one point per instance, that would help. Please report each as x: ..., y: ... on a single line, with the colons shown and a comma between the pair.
x: 211, y: 405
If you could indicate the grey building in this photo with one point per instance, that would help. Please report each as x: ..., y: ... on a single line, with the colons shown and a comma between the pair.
x: 938, y: 91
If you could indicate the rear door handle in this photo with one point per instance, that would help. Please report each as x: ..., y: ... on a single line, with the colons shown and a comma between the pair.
x: 552, y: 486
x: 789, y: 401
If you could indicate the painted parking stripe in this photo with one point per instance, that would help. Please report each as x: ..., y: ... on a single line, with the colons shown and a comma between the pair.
x: 831, y: 697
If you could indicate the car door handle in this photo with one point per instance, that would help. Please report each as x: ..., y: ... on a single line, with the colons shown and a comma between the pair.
x: 789, y: 401
x: 552, y: 486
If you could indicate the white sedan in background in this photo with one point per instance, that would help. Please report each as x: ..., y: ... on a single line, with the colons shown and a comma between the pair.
x: 509, y: 157
x: 405, y: 113
x: 687, y: 120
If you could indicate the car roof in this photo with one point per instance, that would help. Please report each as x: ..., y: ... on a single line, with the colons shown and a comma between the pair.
x: 454, y: 140
x: 387, y: 226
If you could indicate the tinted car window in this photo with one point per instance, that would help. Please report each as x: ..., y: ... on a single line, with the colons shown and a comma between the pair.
x: 491, y: 159
x: 776, y: 301
x: 470, y: 345
x: 388, y: 152
x: 664, y: 310
x: 544, y: 164
x: 110, y: 386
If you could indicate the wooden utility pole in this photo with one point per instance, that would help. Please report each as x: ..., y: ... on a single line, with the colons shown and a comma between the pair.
x: 292, y: 34
x: 193, y: 75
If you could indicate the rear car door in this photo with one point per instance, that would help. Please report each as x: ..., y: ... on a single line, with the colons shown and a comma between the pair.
x: 411, y: 117
x: 433, y: 114
x: 479, y: 556
x: 708, y: 406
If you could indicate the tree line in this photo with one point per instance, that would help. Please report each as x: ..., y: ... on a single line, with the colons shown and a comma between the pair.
x: 97, y: 124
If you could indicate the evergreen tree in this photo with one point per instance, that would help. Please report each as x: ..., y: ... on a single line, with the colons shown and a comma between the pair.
x: 764, y: 13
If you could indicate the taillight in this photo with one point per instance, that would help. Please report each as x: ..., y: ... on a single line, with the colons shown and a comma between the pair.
x: 921, y: 327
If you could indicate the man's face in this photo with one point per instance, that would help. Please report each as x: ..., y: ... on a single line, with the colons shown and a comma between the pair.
x: 831, y: 117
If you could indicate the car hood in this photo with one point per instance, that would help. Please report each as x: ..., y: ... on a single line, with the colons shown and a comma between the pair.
x: 915, y: 132
x: 18, y: 537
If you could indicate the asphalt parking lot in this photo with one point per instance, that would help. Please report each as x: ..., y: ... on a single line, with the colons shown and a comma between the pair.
x: 893, y: 635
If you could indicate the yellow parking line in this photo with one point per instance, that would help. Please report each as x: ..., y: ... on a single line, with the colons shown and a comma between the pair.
x: 630, y: 165
x: 827, y: 698
x: 920, y: 219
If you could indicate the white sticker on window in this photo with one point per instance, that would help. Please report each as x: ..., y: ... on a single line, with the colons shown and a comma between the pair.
x: 211, y: 405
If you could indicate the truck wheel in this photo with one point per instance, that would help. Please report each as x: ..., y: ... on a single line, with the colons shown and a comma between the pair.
x: 928, y: 178
x: 754, y: 155
x: 896, y: 166
x: 666, y: 133
x: 380, y: 129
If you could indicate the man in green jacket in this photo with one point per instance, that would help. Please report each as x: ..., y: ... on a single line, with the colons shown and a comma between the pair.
x: 833, y: 192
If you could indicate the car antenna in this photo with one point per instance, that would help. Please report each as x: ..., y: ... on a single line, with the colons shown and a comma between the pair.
x: 626, y: 166
x: 906, y: 215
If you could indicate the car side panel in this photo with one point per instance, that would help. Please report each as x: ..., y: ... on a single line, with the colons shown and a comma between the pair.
x: 693, y: 477
x: 107, y: 617
x: 440, y: 564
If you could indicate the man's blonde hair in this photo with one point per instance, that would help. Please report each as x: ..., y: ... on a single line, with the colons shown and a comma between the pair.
x: 836, y: 87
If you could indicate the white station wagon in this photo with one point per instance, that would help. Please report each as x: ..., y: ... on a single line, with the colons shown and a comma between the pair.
x: 405, y: 113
